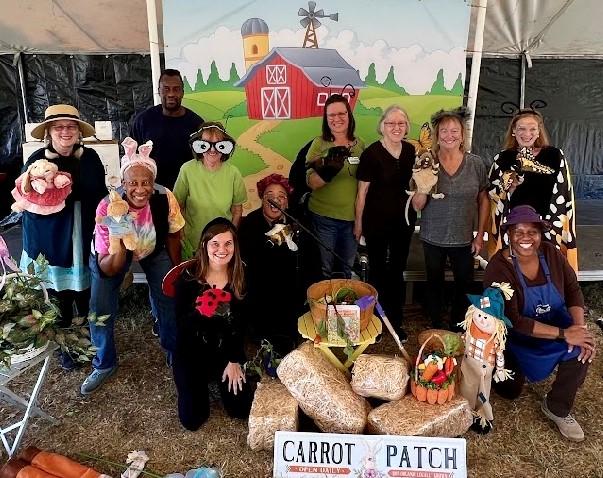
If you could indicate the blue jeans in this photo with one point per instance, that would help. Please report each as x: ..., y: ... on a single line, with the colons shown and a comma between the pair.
x: 339, y: 236
x: 104, y: 301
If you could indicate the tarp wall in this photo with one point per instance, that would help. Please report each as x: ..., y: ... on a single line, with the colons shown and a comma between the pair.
x: 573, y: 92
x: 102, y: 87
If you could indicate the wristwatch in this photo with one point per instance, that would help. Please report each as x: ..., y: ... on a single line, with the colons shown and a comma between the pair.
x: 561, y: 334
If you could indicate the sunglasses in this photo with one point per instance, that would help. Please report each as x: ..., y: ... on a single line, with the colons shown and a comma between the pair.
x: 201, y: 146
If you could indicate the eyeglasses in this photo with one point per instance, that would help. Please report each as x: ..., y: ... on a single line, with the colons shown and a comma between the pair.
x: 391, y: 124
x: 201, y: 146
x: 280, y: 197
x: 66, y: 127
x: 337, y: 115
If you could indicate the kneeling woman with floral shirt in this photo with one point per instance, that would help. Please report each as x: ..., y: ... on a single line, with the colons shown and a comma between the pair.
x: 209, y: 341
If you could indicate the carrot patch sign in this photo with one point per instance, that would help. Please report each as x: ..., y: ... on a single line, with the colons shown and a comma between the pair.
x: 301, y: 455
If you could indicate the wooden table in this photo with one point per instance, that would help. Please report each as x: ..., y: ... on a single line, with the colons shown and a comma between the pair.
x: 307, y: 329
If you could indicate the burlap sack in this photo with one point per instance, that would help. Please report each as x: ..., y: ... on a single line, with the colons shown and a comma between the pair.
x: 322, y: 391
x: 380, y: 376
x: 411, y: 417
x: 273, y: 409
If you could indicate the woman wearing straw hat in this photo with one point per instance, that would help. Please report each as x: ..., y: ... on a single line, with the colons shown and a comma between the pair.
x: 64, y: 237
x: 547, y: 311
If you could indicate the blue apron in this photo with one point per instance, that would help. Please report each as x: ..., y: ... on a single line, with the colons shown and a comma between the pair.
x: 538, y: 357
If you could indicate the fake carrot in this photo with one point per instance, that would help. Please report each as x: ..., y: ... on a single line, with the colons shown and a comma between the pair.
x: 448, y: 366
x: 430, y: 369
x: 421, y: 393
x: 432, y: 396
x: 451, y: 390
x: 413, y: 387
x: 443, y: 396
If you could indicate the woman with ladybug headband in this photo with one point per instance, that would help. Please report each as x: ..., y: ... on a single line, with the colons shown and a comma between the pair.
x: 209, y: 345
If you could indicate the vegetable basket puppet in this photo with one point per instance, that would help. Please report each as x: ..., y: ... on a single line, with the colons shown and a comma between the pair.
x: 485, y: 335
x: 433, y: 379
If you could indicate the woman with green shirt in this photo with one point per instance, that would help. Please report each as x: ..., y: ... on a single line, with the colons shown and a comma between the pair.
x: 207, y: 186
x: 332, y: 161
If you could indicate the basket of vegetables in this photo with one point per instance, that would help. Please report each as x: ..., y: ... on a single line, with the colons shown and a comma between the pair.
x: 434, y: 376
x: 336, y: 292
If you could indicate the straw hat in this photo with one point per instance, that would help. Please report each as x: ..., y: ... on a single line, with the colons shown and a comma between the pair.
x: 62, y: 112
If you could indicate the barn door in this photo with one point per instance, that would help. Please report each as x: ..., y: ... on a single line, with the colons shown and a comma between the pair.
x: 276, y: 102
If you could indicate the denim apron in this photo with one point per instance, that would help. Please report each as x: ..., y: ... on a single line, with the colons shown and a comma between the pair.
x: 538, y: 357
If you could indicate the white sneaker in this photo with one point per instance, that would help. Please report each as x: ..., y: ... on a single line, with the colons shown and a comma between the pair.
x: 568, y: 426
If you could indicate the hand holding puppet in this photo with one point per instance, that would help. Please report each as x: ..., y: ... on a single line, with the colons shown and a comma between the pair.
x: 42, y: 189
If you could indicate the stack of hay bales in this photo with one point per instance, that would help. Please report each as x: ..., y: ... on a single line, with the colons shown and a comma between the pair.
x: 325, y: 394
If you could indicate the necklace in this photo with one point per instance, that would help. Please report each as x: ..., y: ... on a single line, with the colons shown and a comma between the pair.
x: 395, y: 152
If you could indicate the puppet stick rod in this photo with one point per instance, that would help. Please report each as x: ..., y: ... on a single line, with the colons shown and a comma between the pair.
x: 390, y: 327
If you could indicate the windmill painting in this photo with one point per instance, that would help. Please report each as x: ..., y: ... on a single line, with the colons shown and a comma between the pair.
x: 267, y: 68
x: 311, y: 22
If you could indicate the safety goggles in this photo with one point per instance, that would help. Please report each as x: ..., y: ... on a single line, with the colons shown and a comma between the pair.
x: 201, y: 146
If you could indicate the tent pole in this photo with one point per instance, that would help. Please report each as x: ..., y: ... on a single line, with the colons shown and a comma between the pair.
x: 154, y: 48
x: 476, y: 63
x: 22, y: 83
x: 522, y: 86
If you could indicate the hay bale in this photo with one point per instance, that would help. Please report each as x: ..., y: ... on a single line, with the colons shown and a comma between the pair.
x: 411, y: 417
x: 273, y: 409
x: 380, y: 376
x: 322, y: 391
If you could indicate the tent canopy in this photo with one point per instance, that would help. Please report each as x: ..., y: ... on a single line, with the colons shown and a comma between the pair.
x: 542, y: 28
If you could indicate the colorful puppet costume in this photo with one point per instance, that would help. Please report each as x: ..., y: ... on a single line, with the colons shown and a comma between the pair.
x: 543, y: 182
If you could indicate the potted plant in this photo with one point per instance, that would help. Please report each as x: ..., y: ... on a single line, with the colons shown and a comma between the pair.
x: 28, y: 319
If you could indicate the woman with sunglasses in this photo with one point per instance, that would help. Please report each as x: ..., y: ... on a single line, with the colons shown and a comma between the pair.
x: 331, y: 174
x: 207, y: 186
x: 529, y: 171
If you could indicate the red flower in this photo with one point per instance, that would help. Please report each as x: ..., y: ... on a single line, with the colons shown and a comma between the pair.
x: 208, y: 302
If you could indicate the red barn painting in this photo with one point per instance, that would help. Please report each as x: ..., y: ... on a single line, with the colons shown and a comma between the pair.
x: 289, y: 83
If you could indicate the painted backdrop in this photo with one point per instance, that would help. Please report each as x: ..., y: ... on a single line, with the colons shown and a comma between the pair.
x: 266, y: 67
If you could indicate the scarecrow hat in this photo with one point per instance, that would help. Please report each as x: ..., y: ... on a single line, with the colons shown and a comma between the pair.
x: 492, y: 302
x: 62, y: 112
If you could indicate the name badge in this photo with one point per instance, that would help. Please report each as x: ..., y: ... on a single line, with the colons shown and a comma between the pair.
x: 353, y: 159
x: 542, y: 309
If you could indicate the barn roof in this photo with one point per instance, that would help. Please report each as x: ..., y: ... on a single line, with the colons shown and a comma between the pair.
x: 316, y: 63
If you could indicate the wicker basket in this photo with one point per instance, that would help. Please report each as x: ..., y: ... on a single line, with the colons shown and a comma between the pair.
x: 318, y: 291
x: 441, y: 395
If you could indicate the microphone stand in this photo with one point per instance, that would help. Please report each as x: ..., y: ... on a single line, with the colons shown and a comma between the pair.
x: 296, y: 221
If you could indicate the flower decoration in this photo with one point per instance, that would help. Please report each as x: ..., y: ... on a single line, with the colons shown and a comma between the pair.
x: 212, y: 302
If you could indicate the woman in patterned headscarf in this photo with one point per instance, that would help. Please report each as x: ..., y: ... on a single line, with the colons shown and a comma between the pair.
x: 529, y: 171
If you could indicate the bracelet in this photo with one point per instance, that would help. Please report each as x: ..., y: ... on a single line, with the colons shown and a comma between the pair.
x: 561, y: 334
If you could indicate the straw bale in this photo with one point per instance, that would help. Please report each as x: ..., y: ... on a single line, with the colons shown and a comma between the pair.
x: 380, y: 376
x: 273, y: 409
x: 411, y: 417
x: 322, y: 391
